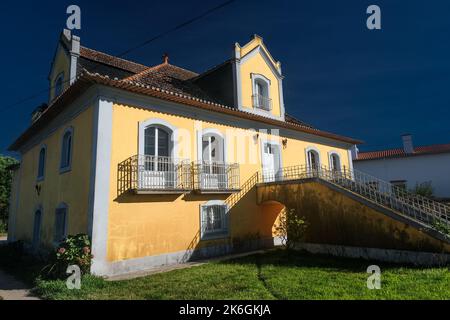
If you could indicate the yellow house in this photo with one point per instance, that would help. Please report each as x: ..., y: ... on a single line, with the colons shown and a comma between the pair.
x: 157, y: 163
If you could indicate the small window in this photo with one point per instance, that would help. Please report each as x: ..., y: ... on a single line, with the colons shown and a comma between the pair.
x: 37, y: 227
x: 214, y: 220
x: 41, y: 164
x: 60, y: 223
x: 261, y: 96
x: 313, y: 160
x: 66, y: 150
x: 335, y: 163
x: 59, y: 84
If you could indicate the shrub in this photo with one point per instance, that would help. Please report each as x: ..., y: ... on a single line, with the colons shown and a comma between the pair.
x: 442, y: 227
x: 424, y: 189
x: 291, y: 228
x: 74, y: 250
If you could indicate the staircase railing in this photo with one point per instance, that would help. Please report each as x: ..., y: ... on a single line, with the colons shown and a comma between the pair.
x: 419, y: 208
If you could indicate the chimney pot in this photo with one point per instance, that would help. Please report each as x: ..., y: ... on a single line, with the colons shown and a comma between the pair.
x: 408, y: 146
x: 165, y: 58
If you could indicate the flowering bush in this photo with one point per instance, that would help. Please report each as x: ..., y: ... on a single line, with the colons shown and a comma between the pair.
x: 74, y: 250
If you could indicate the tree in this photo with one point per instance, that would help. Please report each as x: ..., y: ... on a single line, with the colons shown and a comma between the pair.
x: 291, y: 228
x: 5, y: 188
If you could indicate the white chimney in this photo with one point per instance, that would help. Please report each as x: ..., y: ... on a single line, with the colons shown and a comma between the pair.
x: 355, y: 152
x: 408, y: 146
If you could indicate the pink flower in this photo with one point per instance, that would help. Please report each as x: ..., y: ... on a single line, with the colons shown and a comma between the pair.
x: 61, y: 250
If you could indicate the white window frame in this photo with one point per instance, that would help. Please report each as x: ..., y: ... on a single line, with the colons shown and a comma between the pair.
x: 67, y: 167
x: 330, y: 161
x: 42, y: 177
x: 158, y: 123
x: 308, y: 162
x: 260, y: 78
x: 66, y: 219
x: 222, y: 233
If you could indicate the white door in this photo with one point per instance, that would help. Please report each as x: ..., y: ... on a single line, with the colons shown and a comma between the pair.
x: 158, y: 170
x: 213, y: 175
x: 271, y: 162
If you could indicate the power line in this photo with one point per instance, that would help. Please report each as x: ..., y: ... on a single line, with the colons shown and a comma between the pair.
x: 121, y: 55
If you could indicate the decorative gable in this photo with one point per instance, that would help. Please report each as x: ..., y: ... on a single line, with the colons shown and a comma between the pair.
x: 64, y: 65
x: 259, y: 80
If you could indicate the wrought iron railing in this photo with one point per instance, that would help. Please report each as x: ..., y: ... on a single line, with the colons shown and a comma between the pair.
x: 143, y: 173
x: 216, y: 176
x: 417, y: 207
x: 262, y: 102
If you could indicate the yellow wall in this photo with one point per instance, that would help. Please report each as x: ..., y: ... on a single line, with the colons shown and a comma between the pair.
x: 336, y: 219
x: 61, y: 64
x: 145, y: 225
x: 71, y: 187
x: 258, y: 65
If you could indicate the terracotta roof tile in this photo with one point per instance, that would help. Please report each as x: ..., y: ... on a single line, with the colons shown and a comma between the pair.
x: 398, y: 153
x: 111, y: 60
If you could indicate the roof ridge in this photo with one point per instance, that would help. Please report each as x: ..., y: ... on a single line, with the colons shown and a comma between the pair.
x: 109, y: 57
x: 401, y: 149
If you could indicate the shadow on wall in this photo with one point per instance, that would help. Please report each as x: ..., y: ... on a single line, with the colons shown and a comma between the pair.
x: 251, y: 229
x: 337, y: 219
x: 131, y: 197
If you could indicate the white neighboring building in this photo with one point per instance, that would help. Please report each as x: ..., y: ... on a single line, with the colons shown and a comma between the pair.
x: 409, y: 165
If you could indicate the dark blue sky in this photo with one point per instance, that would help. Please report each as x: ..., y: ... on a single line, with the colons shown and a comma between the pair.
x: 340, y: 77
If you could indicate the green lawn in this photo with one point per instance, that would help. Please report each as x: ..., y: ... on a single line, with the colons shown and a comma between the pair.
x: 273, y: 275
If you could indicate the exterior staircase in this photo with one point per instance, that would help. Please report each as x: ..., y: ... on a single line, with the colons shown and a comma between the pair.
x: 420, y: 209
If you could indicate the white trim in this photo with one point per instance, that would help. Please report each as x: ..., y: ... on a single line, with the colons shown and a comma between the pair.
x: 69, y: 166
x: 254, y: 52
x: 330, y: 162
x: 262, y: 142
x: 219, y: 235
x: 313, y: 148
x: 255, y: 77
x: 237, y: 84
x: 158, y: 122
x: 350, y: 163
x: 167, y: 107
x: 281, y: 96
x: 42, y: 178
x: 100, y: 205
x: 215, y: 132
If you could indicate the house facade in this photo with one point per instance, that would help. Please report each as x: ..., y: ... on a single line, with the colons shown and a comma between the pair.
x: 410, y: 166
x: 156, y: 163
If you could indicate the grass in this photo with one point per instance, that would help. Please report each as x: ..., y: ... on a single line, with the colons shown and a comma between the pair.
x: 273, y: 275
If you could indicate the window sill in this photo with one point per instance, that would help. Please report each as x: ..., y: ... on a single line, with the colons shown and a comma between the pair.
x: 215, y: 236
x: 64, y: 170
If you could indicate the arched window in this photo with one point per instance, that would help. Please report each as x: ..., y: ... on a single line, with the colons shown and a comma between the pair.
x: 66, y: 150
x: 60, y: 223
x: 41, y: 163
x: 335, y: 162
x: 313, y: 160
x: 157, y: 149
x: 261, y: 92
x: 37, y: 227
x: 59, y: 84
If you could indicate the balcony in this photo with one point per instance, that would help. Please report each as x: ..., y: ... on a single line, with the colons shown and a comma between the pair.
x: 143, y: 174
x: 262, y: 102
x: 215, y: 177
